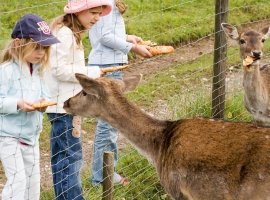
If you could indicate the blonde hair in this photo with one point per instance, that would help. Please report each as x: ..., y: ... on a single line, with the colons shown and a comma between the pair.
x: 72, y: 22
x: 122, y: 7
x: 19, y: 50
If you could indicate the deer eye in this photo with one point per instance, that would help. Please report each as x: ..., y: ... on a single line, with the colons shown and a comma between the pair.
x: 263, y: 40
x: 242, y: 41
x: 84, y: 93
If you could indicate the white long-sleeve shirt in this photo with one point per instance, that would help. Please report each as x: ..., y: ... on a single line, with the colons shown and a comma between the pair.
x: 66, y: 60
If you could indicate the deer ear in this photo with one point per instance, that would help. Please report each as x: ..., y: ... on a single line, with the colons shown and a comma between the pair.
x: 230, y: 31
x: 89, y: 85
x: 266, y: 32
x: 132, y: 82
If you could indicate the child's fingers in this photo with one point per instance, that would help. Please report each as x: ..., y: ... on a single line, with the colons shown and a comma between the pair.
x: 101, y: 73
x: 144, y: 51
x: 42, y: 99
x: 27, y: 108
x: 139, y: 40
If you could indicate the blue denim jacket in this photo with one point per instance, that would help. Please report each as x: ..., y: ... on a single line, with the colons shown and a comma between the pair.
x: 108, y: 39
x: 16, y: 84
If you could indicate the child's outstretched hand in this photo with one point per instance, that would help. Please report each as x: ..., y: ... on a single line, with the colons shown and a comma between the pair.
x: 25, y: 105
x: 134, y: 39
x: 101, y: 73
x: 142, y: 50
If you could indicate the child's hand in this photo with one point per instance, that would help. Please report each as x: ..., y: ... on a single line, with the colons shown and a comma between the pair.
x: 134, y: 39
x: 142, y: 50
x: 25, y: 105
x: 101, y: 73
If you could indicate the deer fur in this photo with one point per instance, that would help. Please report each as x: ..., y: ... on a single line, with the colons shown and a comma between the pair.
x: 256, y: 79
x: 197, y: 158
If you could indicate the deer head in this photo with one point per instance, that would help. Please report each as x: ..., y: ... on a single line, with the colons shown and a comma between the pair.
x: 250, y: 41
x: 256, y: 78
x: 96, y: 94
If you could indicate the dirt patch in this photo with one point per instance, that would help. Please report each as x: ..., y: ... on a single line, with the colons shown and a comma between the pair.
x: 183, y: 53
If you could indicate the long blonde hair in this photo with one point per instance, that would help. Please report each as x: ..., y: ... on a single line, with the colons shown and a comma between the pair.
x: 72, y: 22
x: 20, y: 51
x: 122, y: 7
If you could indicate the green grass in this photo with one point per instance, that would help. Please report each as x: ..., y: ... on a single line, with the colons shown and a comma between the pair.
x: 166, y: 22
x: 142, y: 173
x: 181, y: 87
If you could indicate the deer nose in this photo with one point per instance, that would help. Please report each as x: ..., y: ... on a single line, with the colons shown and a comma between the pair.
x: 66, y: 103
x: 256, y: 54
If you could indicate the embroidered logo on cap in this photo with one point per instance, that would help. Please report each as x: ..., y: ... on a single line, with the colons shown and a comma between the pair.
x: 44, y: 27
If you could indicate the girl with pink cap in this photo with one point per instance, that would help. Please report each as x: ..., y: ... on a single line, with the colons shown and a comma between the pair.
x: 67, y: 58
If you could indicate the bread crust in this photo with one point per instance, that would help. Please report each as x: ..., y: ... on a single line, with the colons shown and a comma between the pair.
x: 112, y: 69
x: 148, y: 42
x: 248, y: 61
x: 161, y: 50
x: 43, y: 104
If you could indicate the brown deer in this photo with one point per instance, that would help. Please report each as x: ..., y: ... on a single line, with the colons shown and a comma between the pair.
x: 196, y: 159
x: 256, y: 79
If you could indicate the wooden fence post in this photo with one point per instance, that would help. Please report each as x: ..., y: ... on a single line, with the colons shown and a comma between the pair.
x: 219, y: 67
x: 108, y: 175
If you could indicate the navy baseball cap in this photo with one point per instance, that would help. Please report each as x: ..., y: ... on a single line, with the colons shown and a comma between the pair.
x: 34, y: 27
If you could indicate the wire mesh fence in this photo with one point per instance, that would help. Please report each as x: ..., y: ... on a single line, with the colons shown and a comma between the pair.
x: 174, y: 86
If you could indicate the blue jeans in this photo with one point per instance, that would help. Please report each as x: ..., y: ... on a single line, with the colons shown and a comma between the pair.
x: 66, y: 158
x: 105, y: 140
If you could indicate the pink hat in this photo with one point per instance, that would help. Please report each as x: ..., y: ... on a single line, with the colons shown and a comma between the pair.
x: 75, y: 6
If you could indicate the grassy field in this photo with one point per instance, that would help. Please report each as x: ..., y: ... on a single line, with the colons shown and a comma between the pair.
x: 166, y: 22
x: 170, y: 22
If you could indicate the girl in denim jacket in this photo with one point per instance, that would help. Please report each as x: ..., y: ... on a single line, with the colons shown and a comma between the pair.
x: 110, y: 46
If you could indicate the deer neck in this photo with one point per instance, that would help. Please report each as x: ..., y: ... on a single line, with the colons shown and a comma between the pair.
x: 257, y: 91
x: 143, y: 131
x: 252, y: 79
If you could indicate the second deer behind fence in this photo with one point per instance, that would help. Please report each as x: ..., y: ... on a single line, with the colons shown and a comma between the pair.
x: 256, y: 79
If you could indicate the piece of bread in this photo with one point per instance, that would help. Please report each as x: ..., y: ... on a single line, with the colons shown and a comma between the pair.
x: 148, y: 42
x: 248, y: 61
x: 43, y: 104
x: 112, y: 69
x: 161, y: 50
